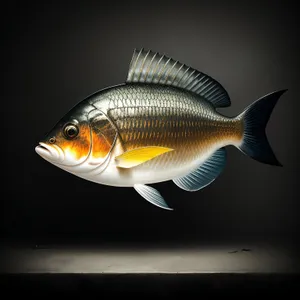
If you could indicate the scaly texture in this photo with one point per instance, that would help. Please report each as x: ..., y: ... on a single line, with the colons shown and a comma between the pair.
x: 156, y: 115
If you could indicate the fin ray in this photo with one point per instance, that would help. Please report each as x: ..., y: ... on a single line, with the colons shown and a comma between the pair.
x: 205, y: 174
x: 255, y: 119
x: 153, y: 67
x: 152, y: 195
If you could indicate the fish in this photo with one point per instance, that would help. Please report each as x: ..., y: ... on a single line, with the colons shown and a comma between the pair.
x: 161, y: 124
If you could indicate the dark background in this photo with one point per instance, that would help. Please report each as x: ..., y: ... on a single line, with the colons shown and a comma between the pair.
x: 54, y: 55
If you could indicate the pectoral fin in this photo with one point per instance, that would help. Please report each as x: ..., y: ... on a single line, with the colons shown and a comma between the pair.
x: 138, y: 156
x: 152, y: 195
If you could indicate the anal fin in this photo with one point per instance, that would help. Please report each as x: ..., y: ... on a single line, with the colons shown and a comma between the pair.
x: 152, y: 195
x: 205, y: 174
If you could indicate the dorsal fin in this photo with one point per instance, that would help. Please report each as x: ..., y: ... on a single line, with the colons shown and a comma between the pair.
x: 152, y: 67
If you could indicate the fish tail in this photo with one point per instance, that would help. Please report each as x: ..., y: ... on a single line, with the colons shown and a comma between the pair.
x: 254, y: 118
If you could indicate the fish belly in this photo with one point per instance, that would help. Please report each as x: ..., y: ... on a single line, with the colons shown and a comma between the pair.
x: 165, y: 117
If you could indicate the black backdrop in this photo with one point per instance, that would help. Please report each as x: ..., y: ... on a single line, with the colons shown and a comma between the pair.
x: 55, y: 55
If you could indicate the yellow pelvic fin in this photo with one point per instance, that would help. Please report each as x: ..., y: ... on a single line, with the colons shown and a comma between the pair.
x: 138, y: 156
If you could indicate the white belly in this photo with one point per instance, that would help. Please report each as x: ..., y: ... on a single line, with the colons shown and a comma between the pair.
x: 112, y: 175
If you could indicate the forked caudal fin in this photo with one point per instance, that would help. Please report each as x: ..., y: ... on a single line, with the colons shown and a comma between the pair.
x: 255, y: 118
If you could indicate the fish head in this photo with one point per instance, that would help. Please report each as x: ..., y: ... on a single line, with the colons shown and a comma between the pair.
x: 80, y: 141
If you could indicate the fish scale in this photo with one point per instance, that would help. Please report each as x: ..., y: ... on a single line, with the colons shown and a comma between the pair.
x: 176, y: 113
x: 161, y: 124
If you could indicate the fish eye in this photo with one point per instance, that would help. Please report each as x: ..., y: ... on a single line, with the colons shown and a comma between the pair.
x: 71, y: 131
x: 52, y: 140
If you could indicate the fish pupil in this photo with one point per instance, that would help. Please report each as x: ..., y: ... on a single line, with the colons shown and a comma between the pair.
x: 71, y: 131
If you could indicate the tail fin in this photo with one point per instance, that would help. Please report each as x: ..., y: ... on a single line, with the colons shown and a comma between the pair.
x: 256, y: 116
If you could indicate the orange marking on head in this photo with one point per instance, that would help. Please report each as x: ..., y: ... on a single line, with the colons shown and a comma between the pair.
x: 78, y: 147
x: 101, y: 146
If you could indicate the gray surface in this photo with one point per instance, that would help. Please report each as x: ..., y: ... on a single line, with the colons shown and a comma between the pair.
x: 261, y: 259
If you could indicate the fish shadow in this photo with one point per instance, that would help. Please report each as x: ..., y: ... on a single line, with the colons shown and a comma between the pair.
x: 242, y: 250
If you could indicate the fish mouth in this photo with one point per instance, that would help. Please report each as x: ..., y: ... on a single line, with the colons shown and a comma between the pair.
x: 47, y: 152
x: 42, y: 149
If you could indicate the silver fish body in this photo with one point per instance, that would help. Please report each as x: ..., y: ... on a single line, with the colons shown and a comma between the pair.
x: 161, y: 124
x: 166, y: 116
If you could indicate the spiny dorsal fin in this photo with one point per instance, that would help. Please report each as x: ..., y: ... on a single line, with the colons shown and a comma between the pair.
x: 152, y: 67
